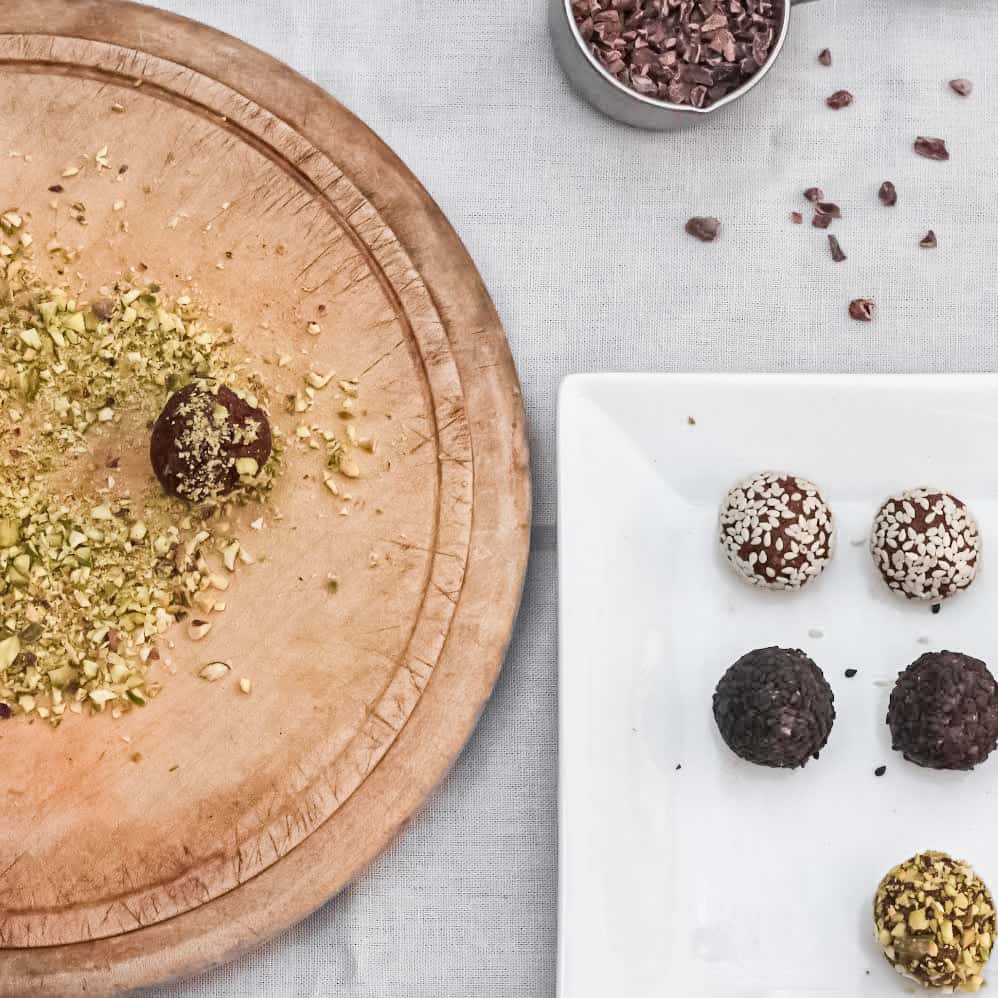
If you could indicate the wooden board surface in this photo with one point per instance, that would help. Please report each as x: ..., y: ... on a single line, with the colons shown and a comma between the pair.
x: 262, y: 195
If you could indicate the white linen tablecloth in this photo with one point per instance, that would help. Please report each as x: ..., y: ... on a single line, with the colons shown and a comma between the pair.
x: 576, y: 224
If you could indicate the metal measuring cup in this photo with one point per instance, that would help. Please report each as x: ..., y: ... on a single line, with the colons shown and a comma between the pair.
x: 591, y: 80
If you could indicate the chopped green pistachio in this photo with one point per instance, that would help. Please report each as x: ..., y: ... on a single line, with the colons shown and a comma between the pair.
x: 10, y: 648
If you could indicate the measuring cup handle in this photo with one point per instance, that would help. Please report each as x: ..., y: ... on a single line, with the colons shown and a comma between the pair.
x: 794, y: 3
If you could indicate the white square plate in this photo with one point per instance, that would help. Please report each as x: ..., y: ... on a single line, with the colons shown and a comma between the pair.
x: 722, y: 879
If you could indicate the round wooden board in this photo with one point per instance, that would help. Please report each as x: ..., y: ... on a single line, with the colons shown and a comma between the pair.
x: 225, y: 817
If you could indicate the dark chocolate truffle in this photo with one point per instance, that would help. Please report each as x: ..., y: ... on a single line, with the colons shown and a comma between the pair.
x: 206, y: 440
x: 934, y: 919
x: 773, y: 707
x: 776, y: 530
x: 943, y: 712
x: 926, y: 544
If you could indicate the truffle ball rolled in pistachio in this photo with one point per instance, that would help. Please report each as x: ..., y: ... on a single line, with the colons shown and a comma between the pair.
x: 206, y: 440
x: 774, y: 707
x: 943, y: 712
x: 934, y: 919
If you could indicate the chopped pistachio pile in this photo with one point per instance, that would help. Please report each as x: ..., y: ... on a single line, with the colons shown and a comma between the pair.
x: 91, y: 576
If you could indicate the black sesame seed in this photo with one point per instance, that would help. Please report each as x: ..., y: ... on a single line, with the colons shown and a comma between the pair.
x: 936, y: 607
x: 850, y: 673
x: 679, y: 766
x: 880, y: 770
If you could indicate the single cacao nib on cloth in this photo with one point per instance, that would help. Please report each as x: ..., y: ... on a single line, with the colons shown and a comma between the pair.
x: 705, y: 229
x: 825, y: 57
x: 943, y: 711
x: 796, y: 217
x: 928, y: 241
x: 839, y: 100
x: 961, y: 87
x: 773, y: 707
x: 814, y: 194
x: 888, y: 194
x: 824, y: 213
x: 833, y: 244
x: 931, y: 148
x: 861, y: 309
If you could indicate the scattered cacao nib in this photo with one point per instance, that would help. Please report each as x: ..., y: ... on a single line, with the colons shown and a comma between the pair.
x: 814, y: 194
x: 833, y: 244
x: 705, y: 229
x: 880, y: 770
x: 961, y: 87
x: 928, y: 241
x: 888, y: 194
x: 825, y: 57
x: 931, y: 148
x: 861, y: 309
x: 4, y: 711
x: 824, y: 212
x: 57, y: 188
x: 936, y: 607
x: 839, y: 100
x: 850, y: 673
x: 680, y: 51
x: 796, y: 217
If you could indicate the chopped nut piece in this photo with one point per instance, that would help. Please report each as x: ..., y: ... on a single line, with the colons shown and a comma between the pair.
x: 246, y: 685
x: 197, y: 628
x: 214, y: 671
x: 319, y: 381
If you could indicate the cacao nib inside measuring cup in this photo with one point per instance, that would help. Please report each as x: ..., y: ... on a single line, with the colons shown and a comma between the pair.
x: 691, y: 52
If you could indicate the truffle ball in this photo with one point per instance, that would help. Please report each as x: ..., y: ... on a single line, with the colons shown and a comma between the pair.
x: 926, y: 544
x: 776, y: 530
x: 205, y: 440
x: 773, y: 707
x: 943, y: 712
x: 935, y: 921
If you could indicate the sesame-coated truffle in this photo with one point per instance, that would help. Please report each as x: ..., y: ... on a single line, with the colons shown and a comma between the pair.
x: 926, y: 544
x: 773, y: 707
x: 776, y: 530
x: 934, y: 919
x: 943, y: 712
x: 206, y: 440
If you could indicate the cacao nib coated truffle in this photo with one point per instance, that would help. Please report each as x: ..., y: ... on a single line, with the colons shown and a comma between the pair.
x: 926, y: 544
x: 943, y: 712
x: 205, y: 438
x: 773, y: 707
x: 934, y: 919
x: 776, y: 530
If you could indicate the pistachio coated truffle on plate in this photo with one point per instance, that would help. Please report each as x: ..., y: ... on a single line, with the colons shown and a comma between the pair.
x: 206, y: 440
x: 774, y: 707
x: 926, y: 544
x: 776, y: 530
x: 935, y: 921
x: 943, y: 711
